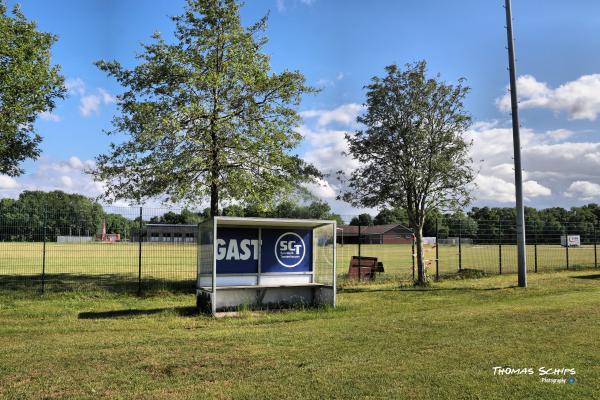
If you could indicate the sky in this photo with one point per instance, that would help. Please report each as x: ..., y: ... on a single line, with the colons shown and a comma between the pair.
x: 339, y: 46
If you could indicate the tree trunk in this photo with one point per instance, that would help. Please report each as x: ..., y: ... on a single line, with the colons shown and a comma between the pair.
x: 421, y: 274
x: 214, y: 199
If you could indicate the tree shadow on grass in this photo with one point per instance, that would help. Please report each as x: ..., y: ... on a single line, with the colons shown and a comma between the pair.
x: 116, y: 283
x: 420, y: 289
x: 593, y: 276
x: 133, y: 312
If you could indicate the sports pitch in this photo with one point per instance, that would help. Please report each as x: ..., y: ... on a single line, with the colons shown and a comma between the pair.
x: 177, y: 262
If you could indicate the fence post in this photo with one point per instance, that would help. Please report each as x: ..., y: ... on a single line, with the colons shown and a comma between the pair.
x: 140, y: 255
x: 44, y: 251
x: 500, y: 249
x: 459, y: 245
x: 535, y: 243
x: 437, y: 252
x: 595, y: 250
x: 566, y: 233
x: 359, y: 256
x: 413, y: 254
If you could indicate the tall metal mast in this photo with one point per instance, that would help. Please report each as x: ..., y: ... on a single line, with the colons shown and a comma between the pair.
x: 521, y: 256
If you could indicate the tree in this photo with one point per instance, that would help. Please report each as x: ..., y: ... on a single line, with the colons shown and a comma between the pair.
x: 412, y: 153
x: 205, y: 117
x: 460, y: 224
x: 59, y: 212
x: 391, y: 216
x: 185, y: 217
x: 29, y: 85
x: 362, y: 220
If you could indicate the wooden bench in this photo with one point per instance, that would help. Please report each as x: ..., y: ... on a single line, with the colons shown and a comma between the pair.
x: 368, y: 268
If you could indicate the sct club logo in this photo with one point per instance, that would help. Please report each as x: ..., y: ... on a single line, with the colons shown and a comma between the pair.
x: 290, y: 249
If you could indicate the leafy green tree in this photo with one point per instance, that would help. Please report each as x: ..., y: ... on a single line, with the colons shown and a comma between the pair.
x: 412, y: 153
x: 362, y: 220
x: 116, y: 223
x: 205, y: 116
x: 29, y: 85
x: 234, y: 210
x: 185, y: 217
x: 462, y: 225
x: 391, y: 216
x: 61, y: 213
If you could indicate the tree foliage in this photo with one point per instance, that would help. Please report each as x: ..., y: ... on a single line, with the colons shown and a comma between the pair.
x: 364, y: 219
x: 29, y: 85
x: 205, y: 116
x: 287, y: 209
x: 391, y: 216
x: 59, y: 212
x: 412, y: 153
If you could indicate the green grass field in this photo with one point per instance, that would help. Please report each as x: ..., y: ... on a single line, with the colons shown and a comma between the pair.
x: 383, y: 341
x: 177, y: 262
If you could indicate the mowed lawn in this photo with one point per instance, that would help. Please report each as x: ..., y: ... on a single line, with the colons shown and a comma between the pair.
x: 178, y: 261
x: 383, y: 341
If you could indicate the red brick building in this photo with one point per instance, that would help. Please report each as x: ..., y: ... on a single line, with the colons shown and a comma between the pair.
x: 377, y: 234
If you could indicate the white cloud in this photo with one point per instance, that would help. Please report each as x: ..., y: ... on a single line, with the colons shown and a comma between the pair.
x: 66, y: 181
x: 107, y: 98
x: 7, y: 182
x: 551, y: 163
x: 490, y: 187
x: 49, y: 116
x: 89, y: 104
x: 533, y: 189
x: 322, y: 189
x: 75, y: 86
x: 579, y: 98
x: 344, y: 115
x: 66, y: 175
x: 326, y: 148
x: 340, y: 76
x: 282, y: 4
x: 584, y: 190
x: 323, y: 82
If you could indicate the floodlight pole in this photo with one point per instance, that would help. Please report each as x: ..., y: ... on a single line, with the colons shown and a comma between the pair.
x: 521, y: 260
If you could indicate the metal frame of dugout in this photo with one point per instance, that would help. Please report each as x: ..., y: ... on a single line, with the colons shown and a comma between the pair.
x: 264, y: 262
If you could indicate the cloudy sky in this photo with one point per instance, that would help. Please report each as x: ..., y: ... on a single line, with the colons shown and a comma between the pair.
x: 339, y: 45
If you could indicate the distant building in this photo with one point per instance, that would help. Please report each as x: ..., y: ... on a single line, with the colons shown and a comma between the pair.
x: 167, y: 233
x: 377, y: 234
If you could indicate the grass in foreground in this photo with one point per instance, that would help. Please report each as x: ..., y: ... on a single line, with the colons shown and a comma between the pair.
x: 382, y: 342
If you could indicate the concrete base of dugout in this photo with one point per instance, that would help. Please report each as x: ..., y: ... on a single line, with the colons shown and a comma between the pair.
x: 228, y: 298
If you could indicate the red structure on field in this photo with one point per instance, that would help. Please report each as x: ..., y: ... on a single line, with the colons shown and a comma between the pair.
x: 108, y: 237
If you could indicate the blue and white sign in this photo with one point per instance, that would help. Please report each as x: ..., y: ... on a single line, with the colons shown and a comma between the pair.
x: 286, y: 250
x: 282, y: 250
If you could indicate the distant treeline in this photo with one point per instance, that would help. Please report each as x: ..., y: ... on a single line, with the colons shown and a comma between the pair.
x: 36, y: 213
x: 59, y: 213
x: 497, y: 224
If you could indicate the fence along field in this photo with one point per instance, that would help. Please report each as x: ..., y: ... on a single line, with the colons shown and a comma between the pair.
x: 26, y: 258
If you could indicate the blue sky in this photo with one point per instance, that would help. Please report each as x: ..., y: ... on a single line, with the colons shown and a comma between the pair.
x: 339, y: 45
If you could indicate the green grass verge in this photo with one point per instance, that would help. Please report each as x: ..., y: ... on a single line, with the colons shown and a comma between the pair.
x: 383, y: 341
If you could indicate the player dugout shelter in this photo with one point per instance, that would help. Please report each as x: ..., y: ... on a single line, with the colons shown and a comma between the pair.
x: 265, y: 262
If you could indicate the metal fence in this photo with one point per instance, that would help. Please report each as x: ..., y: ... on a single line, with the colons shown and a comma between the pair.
x: 116, y: 247
x: 135, y: 249
x: 485, y: 247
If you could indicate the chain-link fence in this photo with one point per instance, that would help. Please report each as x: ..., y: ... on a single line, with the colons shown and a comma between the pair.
x: 137, y: 248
